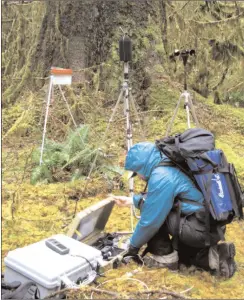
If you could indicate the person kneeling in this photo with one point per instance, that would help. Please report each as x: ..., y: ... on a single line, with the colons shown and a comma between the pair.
x: 173, y: 206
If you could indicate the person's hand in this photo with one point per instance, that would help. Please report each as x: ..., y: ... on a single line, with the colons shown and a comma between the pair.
x: 123, y: 201
x: 132, y: 253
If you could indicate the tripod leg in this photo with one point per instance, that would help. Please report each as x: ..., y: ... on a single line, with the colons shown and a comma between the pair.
x: 137, y: 116
x: 103, y: 139
x: 69, y: 110
x: 127, y: 114
x: 113, y: 114
x: 65, y: 100
x: 174, y: 116
x: 46, y: 117
x: 193, y: 112
x: 106, y: 131
x: 187, y: 105
x: 129, y: 145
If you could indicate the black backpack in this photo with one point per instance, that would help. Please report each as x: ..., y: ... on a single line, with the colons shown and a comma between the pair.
x: 194, y: 153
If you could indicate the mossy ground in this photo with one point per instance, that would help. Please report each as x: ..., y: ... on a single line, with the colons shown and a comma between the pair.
x: 45, y: 211
x: 31, y: 213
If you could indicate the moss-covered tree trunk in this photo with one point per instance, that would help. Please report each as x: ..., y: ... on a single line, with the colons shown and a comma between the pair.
x: 75, y: 34
x: 85, y: 34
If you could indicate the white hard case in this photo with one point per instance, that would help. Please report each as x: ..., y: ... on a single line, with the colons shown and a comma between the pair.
x: 38, y: 263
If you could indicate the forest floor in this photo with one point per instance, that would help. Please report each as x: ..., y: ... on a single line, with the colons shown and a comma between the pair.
x: 33, y: 212
x: 46, y: 211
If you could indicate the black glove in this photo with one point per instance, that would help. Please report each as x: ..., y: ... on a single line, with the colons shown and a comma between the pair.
x: 132, y: 253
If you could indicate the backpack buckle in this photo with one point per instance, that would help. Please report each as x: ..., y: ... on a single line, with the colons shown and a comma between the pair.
x: 31, y: 293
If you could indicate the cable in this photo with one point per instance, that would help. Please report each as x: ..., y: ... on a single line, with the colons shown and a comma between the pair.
x: 87, y: 260
x: 91, y: 276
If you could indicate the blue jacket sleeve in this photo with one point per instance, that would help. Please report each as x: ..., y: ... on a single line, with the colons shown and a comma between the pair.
x: 159, y: 201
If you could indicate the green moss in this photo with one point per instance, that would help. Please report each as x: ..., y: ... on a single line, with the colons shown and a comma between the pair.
x: 20, y: 42
x: 51, y: 208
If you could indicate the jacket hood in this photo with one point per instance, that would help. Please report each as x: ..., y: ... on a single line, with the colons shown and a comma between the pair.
x: 143, y: 157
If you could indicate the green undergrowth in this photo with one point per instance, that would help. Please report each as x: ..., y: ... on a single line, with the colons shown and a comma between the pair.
x: 226, y: 122
x: 31, y: 213
x: 48, y: 210
x: 201, y: 284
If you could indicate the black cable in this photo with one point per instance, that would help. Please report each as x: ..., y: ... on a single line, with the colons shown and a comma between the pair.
x: 76, y: 202
x: 96, y: 270
x: 87, y: 260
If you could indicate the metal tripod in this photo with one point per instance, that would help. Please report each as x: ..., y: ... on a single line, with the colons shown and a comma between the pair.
x: 127, y: 99
x: 50, y: 91
x: 188, y: 105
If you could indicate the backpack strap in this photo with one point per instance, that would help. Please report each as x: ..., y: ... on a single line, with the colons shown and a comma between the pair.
x: 220, y: 232
x: 166, y: 163
x: 145, y: 188
x: 175, y: 241
x: 208, y: 207
x: 27, y: 290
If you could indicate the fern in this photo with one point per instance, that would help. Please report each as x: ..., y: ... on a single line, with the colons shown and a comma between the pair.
x: 74, y: 155
x: 77, y: 140
x: 41, y: 173
x: 80, y: 158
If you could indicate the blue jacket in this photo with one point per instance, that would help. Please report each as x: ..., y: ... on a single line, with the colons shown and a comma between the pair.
x: 165, y: 183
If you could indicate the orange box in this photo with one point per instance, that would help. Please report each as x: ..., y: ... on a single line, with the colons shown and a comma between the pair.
x: 61, y: 76
x: 59, y: 71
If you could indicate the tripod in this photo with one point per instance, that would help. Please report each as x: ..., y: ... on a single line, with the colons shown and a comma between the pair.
x: 128, y: 99
x: 188, y: 105
x: 58, y: 77
x: 125, y: 53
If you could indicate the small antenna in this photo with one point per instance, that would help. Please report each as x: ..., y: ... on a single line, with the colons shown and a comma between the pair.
x: 121, y: 29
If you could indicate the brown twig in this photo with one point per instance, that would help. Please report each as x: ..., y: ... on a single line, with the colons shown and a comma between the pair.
x: 104, y: 292
x: 166, y: 292
x: 83, y: 290
x: 187, y: 290
x: 232, y: 88
x: 177, y: 11
x: 219, y: 21
x: 114, y: 294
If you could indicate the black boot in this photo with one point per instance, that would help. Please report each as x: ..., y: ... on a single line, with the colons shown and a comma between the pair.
x: 227, y: 265
x: 221, y: 259
x: 169, y: 261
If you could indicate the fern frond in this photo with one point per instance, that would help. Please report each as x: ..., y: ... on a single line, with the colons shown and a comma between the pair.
x: 81, y: 158
x: 41, y: 173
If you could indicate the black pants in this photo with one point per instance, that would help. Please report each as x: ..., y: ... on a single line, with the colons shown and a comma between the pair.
x: 191, y: 239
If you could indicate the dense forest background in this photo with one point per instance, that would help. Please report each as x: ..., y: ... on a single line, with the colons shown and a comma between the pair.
x: 83, y: 35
